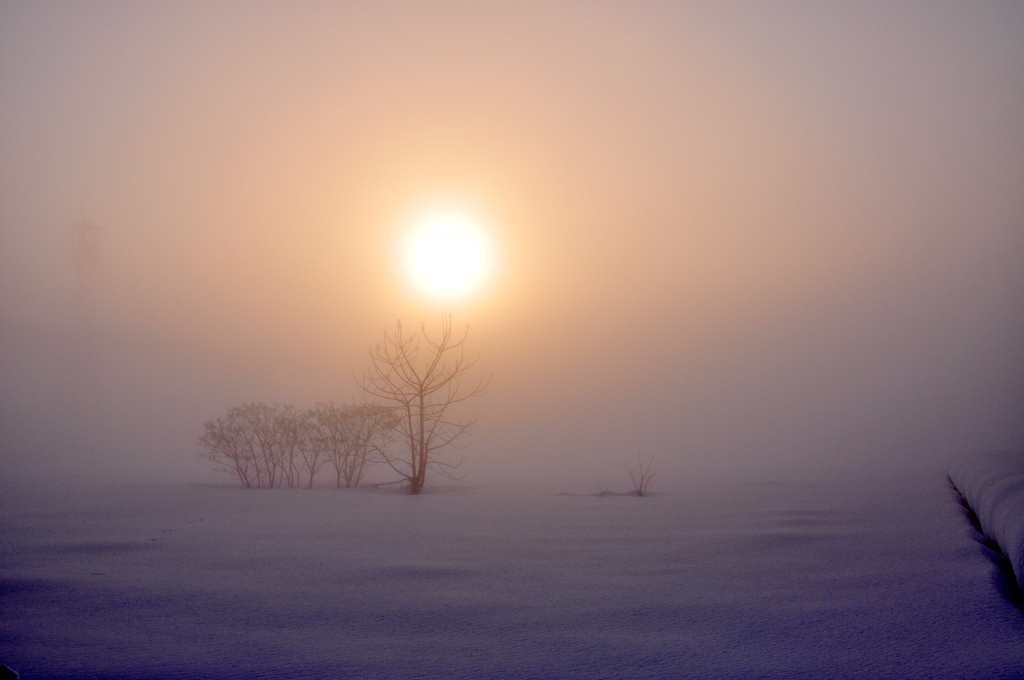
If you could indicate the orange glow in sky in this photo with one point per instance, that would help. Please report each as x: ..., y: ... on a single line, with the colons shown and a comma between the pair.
x: 773, y: 240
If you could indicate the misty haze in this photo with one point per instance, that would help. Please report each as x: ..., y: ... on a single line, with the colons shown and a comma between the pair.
x: 489, y: 340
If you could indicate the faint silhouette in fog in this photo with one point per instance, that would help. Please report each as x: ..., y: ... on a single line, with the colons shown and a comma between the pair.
x: 272, y: 445
x: 642, y: 474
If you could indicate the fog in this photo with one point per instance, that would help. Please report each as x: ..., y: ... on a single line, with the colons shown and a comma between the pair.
x: 757, y: 242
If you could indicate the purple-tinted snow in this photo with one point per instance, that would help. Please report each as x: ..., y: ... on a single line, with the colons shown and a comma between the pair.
x: 993, y: 485
x: 743, y: 581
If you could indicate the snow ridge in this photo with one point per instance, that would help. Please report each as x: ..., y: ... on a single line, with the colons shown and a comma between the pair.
x: 993, y: 486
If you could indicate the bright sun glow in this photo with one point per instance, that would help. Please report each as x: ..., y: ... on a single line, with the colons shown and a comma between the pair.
x: 447, y: 254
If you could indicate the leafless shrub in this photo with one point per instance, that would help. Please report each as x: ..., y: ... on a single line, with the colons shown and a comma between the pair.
x: 270, y: 445
x: 244, y: 443
x: 258, y: 443
x: 312, y: 454
x: 290, y: 433
x: 259, y: 423
x: 330, y: 430
x: 371, y: 429
x: 350, y: 437
x: 641, y: 474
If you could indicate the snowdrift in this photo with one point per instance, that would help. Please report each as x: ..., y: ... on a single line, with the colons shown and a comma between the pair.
x: 993, y: 486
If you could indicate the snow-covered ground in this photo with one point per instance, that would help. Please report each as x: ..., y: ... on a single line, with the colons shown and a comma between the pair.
x: 993, y: 486
x: 741, y: 581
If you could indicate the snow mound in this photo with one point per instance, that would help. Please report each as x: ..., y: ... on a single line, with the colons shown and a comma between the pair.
x: 993, y: 486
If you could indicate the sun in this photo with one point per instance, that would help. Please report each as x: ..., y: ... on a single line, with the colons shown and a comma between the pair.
x: 447, y: 254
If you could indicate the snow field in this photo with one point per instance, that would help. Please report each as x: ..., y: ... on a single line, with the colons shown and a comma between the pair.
x: 736, y: 581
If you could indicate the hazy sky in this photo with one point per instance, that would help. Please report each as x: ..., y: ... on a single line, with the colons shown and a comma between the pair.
x: 756, y: 240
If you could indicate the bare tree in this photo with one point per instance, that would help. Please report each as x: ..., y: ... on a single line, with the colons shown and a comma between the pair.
x: 641, y: 475
x: 420, y: 388
x: 227, y: 444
